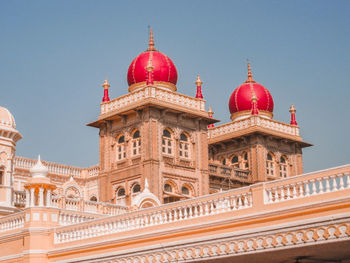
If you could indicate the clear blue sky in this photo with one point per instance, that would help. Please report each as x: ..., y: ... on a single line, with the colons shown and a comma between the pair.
x: 54, y: 56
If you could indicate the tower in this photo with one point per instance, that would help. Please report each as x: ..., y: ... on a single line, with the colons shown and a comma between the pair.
x: 153, y: 132
x: 8, y: 139
x: 254, y: 145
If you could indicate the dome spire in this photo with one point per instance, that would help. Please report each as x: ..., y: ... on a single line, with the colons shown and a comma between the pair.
x: 199, y: 83
x: 151, y: 41
x: 210, y: 114
x: 250, y: 75
x: 105, y: 86
x: 149, y: 69
x: 292, y: 115
x: 254, y: 104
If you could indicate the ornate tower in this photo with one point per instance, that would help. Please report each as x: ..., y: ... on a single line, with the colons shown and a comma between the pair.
x: 253, y: 147
x: 153, y: 132
x: 8, y: 139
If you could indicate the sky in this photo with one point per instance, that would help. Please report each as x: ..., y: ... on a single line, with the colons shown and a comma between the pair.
x: 55, y: 55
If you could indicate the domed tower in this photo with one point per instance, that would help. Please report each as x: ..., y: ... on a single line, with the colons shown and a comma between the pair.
x: 253, y: 146
x: 8, y: 140
x: 163, y: 70
x: 153, y: 133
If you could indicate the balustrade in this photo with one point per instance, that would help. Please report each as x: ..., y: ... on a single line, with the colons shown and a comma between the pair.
x: 11, y: 222
x: 305, y: 187
x: 175, y: 212
x: 227, y: 171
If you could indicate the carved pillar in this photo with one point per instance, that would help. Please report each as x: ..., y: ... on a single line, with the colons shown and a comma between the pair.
x: 32, y: 197
x: 41, y: 196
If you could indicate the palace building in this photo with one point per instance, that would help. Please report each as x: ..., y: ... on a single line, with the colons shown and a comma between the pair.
x: 175, y: 185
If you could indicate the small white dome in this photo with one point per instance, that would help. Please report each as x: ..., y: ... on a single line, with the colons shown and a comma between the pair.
x: 6, y: 118
x: 39, y: 170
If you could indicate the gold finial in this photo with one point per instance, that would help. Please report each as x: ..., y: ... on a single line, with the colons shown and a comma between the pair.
x: 250, y: 75
x: 198, y: 81
x: 106, y: 84
x: 210, y: 111
x: 151, y: 41
x: 292, y: 109
x: 254, y: 98
x: 149, y: 67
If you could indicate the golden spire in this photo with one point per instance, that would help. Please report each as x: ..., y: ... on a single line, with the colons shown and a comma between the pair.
x: 292, y: 109
x: 250, y: 75
x: 210, y: 112
x: 149, y: 67
x: 151, y: 41
x: 254, y: 98
x: 198, y: 81
x: 106, y: 84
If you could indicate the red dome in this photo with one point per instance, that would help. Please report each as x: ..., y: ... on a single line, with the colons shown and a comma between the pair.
x: 241, y: 98
x: 163, y: 68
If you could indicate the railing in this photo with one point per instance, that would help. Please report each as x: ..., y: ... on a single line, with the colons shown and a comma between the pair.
x: 174, y: 212
x: 306, y: 185
x: 227, y: 171
x: 69, y: 218
x: 11, y: 222
x: 55, y: 168
x: 253, y: 121
x: 151, y: 92
x: 19, y: 198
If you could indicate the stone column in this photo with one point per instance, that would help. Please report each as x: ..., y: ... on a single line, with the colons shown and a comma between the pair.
x: 41, y: 196
x: 48, y: 197
x: 27, y: 198
x: 32, y: 197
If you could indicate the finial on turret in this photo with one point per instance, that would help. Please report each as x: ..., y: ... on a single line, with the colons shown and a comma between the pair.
x: 151, y: 41
x: 199, y: 83
x: 105, y: 86
x: 292, y: 111
x: 254, y: 100
x: 149, y: 69
x: 250, y: 75
x: 210, y: 114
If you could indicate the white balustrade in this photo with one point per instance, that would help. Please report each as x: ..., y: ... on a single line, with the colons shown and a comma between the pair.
x: 11, y: 222
x: 256, y: 121
x: 306, y: 187
x: 151, y: 92
x: 174, y: 212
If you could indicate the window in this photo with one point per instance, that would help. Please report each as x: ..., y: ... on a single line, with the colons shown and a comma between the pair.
x: 167, y: 142
x: 93, y: 199
x: 245, y: 164
x: 223, y: 161
x: 283, y: 167
x: 234, y: 161
x: 121, y: 192
x: 168, y: 188
x: 184, y: 146
x: 1, y: 178
x: 121, y: 151
x: 185, y: 191
x: 136, y: 188
x: 270, y: 165
x: 136, y: 143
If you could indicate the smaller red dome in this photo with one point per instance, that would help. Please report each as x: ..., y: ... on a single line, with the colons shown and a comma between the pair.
x: 241, y: 98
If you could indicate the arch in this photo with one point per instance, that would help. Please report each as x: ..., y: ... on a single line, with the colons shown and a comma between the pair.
x: 245, y: 160
x: 136, y: 142
x: 93, y: 198
x: 120, y: 192
x: 190, y: 188
x: 184, y: 146
x: 167, y: 141
x: 136, y: 134
x: 136, y: 188
x: 72, y: 192
x: 223, y: 161
x: 235, y: 161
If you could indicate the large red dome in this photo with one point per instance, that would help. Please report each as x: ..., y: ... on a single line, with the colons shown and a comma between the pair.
x: 240, y: 102
x: 163, y: 69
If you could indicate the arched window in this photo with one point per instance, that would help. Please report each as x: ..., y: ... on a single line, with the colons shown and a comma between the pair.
x: 283, y: 167
x: 245, y: 164
x: 121, y: 151
x: 167, y: 142
x: 184, y: 146
x: 185, y: 191
x: 1, y: 177
x: 93, y: 199
x: 168, y: 188
x: 121, y: 192
x: 270, y: 165
x: 136, y: 143
x: 136, y: 188
x: 234, y: 161
x: 223, y: 161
